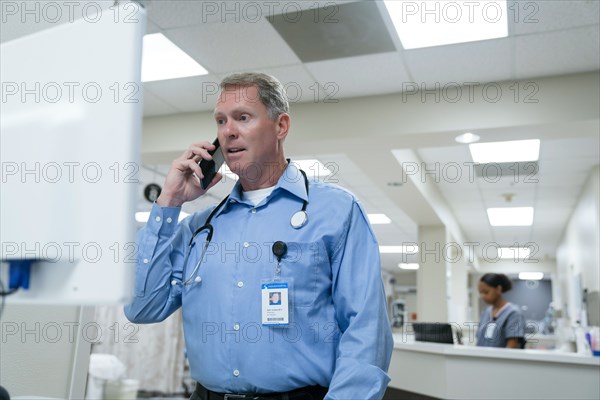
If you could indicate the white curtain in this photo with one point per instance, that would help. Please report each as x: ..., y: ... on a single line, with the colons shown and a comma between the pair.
x: 153, y: 354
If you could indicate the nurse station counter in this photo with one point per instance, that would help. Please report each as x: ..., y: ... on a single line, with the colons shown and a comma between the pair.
x: 447, y: 371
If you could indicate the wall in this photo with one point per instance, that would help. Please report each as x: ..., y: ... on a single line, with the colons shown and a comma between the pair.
x: 432, y: 295
x: 44, y: 350
x: 561, y: 99
x: 534, y: 295
x: 578, y: 255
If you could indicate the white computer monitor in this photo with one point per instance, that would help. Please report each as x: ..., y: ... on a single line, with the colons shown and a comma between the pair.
x: 70, y: 118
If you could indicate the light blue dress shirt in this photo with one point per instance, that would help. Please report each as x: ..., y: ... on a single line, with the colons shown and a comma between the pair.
x: 339, y: 335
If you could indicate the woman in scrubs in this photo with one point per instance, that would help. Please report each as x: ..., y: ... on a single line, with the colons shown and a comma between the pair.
x: 501, y: 324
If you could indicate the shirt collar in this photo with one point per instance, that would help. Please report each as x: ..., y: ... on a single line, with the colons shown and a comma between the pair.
x: 291, y: 181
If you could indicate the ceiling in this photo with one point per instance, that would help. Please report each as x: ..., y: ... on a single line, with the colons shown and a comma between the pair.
x: 345, y: 49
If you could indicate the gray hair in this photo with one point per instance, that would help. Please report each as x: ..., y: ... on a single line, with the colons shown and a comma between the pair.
x: 270, y: 90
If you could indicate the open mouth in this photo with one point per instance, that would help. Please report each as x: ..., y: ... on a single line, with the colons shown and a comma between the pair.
x: 234, y: 150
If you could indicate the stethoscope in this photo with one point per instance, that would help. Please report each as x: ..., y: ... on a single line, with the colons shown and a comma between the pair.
x: 298, y: 220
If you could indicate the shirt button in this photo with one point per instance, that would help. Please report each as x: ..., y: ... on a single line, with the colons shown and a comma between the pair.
x: 246, y: 244
x: 236, y: 327
x: 236, y: 372
x: 146, y: 261
x: 157, y: 219
x: 169, y: 220
x: 253, y: 211
x: 240, y: 284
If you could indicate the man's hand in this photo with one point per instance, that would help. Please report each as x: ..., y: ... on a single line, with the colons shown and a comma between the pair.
x: 180, y: 184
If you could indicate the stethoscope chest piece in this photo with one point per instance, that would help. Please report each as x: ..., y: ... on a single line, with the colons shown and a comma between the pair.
x: 299, y: 219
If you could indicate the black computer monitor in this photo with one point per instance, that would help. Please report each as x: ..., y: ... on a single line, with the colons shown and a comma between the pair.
x: 433, y: 332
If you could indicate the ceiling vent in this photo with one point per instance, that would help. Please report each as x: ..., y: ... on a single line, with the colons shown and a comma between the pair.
x: 334, y: 31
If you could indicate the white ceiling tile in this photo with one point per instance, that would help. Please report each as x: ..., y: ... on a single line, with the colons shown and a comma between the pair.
x: 359, y: 76
x: 572, y: 148
x: 577, y: 167
x: 154, y: 105
x: 556, y: 53
x: 169, y: 14
x: 188, y: 94
x: 526, y: 16
x: 243, y: 46
x: 480, y: 62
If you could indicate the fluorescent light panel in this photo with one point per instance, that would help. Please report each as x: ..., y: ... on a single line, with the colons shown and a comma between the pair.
x: 162, y: 59
x: 531, y: 276
x: 515, y: 253
x: 408, y: 266
x: 376, y: 219
x: 510, y: 216
x: 509, y: 151
x: 436, y: 23
x: 404, y: 249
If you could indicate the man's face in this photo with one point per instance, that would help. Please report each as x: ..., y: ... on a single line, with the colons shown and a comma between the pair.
x: 248, y: 137
x: 275, y: 298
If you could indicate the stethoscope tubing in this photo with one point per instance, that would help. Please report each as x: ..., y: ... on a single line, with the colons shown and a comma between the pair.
x: 207, y: 225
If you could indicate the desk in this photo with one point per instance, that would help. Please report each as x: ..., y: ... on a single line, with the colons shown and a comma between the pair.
x: 468, y: 372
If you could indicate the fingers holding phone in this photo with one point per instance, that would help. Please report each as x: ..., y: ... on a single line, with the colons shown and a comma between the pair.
x: 186, y: 180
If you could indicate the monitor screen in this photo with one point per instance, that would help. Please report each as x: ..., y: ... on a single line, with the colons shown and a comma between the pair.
x: 70, y: 146
x: 433, y: 332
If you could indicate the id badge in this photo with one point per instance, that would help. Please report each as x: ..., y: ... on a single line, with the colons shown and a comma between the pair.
x: 275, y: 303
x: 489, y: 330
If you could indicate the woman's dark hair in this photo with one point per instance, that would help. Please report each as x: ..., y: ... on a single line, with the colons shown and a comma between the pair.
x: 495, y: 280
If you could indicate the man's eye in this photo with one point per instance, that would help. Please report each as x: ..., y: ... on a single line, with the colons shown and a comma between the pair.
x: 220, y: 121
x: 244, y: 117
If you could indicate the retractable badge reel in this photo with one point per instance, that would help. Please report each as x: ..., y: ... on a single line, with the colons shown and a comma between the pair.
x: 275, y: 293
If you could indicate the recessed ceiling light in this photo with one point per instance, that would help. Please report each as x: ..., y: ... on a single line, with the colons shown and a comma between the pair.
x: 313, y: 168
x: 467, y: 138
x: 531, y: 276
x: 404, y: 249
x: 376, y: 219
x: 408, y: 266
x: 162, y: 59
x: 509, y: 151
x: 515, y: 253
x: 436, y: 23
x: 510, y: 216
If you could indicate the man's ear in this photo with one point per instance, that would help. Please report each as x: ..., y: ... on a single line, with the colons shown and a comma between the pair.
x: 283, y: 125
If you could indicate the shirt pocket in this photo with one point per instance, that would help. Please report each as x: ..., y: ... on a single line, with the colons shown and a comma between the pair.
x: 304, y: 262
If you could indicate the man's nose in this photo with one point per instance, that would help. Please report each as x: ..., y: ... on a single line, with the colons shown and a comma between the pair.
x: 230, y: 129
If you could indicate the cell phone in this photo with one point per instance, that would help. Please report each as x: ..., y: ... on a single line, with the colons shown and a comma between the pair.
x: 211, y: 167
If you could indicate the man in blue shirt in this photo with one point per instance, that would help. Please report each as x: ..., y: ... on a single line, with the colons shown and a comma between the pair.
x: 277, y: 232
